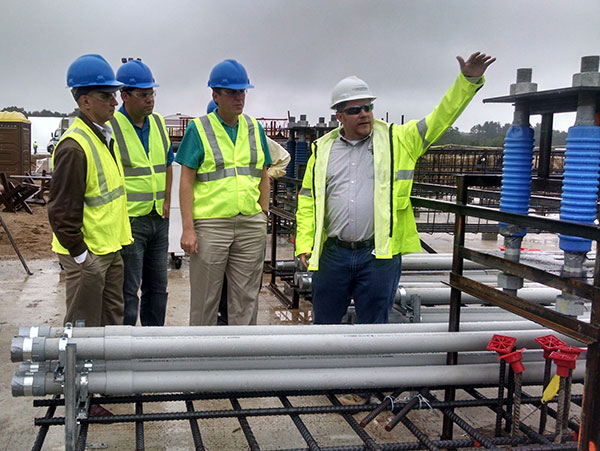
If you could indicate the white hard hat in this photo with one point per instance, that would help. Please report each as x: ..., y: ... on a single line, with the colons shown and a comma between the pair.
x: 350, y: 88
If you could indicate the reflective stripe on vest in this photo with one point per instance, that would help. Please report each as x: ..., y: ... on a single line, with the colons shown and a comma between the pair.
x: 141, y: 197
x: 229, y: 172
x: 422, y: 127
x: 105, y: 196
x: 220, y: 171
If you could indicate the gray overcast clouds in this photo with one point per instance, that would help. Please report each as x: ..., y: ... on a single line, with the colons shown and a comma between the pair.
x: 295, y: 51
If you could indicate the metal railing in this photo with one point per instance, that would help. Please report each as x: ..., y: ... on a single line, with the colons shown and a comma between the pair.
x: 585, y: 332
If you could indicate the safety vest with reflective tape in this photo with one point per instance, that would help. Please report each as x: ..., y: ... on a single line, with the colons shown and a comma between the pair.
x: 396, y: 149
x: 227, y: 181
x: 105, y: 221
x: 145, y: 175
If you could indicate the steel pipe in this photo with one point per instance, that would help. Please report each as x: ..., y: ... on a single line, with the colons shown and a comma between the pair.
x: 127, y: 347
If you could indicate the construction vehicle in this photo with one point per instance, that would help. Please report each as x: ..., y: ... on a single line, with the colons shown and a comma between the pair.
x: 65, y: 123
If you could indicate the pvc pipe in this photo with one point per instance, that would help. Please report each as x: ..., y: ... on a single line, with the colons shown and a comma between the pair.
x: 286, y: 362
x: 441, y: 295
x: 425, y: 262
x: 440, y: 317
x: 169, y: 331
x: 120, y: 348
x: 130, y: 382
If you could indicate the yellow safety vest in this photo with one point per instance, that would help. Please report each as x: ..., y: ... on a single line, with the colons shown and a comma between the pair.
x: 145, y: 175
x: 227, y: 181
x: 105, y: 222
x: 396, y: 149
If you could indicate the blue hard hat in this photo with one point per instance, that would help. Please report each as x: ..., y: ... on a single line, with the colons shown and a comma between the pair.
x: 135, y: 74
x: 212, y: 106
x: 91, y: 70
x: 229, y: 74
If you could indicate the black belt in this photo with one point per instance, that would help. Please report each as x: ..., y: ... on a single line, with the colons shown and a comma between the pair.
x: 354, y: 244
x: 153, y: 212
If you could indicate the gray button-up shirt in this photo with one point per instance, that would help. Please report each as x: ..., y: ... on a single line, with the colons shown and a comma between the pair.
x: 349, y: 192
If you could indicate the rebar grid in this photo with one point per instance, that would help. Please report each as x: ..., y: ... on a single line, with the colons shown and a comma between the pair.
x: 531, y: 440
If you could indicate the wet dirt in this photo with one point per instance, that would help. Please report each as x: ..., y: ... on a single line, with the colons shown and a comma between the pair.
x: 31, y: 233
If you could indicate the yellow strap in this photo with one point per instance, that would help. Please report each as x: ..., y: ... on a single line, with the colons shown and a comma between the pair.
x: 551, y: 390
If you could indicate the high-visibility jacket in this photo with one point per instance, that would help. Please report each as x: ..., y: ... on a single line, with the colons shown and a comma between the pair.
x: 145, y: 175
x: 105, y: 221
x: 227, y: 181
x: 396, y: 149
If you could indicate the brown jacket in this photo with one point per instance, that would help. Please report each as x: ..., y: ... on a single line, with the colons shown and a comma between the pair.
x: 67, y: 189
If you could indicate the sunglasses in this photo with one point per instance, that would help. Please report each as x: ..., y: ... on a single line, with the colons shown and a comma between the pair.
x: 354, y: 110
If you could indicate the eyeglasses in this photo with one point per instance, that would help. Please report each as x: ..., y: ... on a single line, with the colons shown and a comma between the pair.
x: 233, y: 92
x: 354, y: 110
x: 143, y: 95
x: 103, y: 96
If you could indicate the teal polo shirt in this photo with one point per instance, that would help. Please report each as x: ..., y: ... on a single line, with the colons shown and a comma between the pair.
x: 191, y: 149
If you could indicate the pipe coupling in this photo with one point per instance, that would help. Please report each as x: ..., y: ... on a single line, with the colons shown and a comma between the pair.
x: 24, y: 348
x: 28, y: 384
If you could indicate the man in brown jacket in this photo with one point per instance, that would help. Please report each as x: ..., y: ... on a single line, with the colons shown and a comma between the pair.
x: 87, y: 205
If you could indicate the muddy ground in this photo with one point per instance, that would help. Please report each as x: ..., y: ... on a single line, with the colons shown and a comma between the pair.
x: 31, y: 233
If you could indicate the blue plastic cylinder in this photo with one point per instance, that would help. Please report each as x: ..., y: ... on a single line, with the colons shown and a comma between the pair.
x: 301, y: 157
x: 580, y: 183
x: 516, y: 173
x: 290, y: 146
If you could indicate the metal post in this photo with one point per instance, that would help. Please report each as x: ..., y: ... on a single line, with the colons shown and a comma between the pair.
x: 455, y: 294
x: 544, y: 408
x: 567, y: 406
x: 509, y: 399
x: 499, y: 407
x: 560, y: 412
x: 139, y: 428
x: 516, y: 419
x: 545, y: 149
x: 590, y: 410
x: 274, y: 221
x: 71, y: 429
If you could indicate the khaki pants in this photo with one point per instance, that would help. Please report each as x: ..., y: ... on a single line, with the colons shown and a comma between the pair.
x: 94, y: 290
x: 233, y: 246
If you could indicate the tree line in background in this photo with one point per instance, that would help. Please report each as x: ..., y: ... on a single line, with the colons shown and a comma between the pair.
x: 491, y: 134
x: 43, y: 113
x: 488, y: 134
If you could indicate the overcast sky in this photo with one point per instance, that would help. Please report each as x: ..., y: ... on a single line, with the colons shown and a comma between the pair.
x: 296, y: 51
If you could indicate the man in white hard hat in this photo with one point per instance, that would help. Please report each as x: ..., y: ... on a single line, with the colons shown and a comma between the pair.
x: 354, y: 218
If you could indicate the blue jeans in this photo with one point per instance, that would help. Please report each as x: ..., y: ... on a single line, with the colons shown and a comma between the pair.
x: 146, y: 265
x: 346, y: 274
